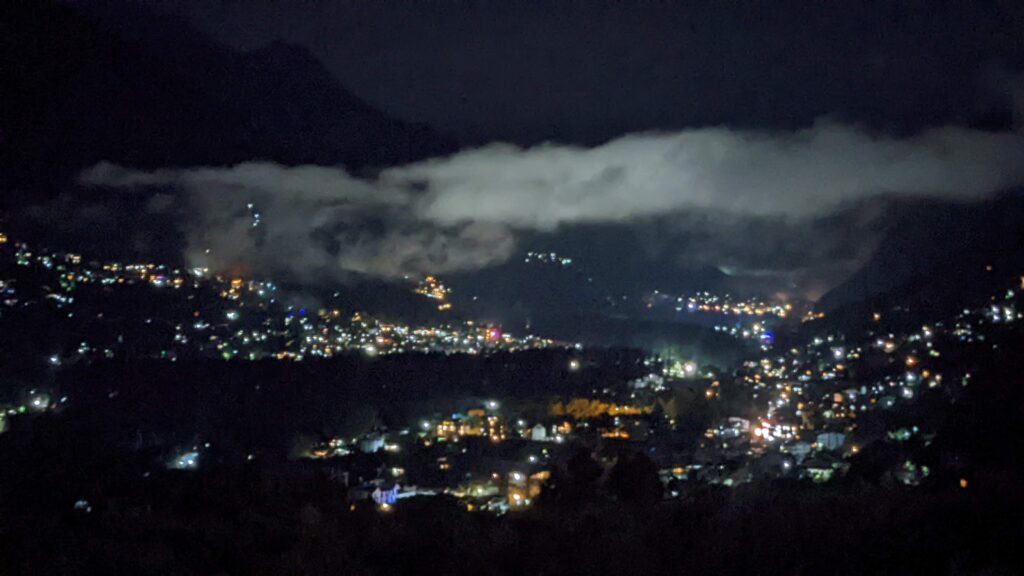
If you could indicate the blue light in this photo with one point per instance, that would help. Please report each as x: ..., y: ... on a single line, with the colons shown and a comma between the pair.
x: 388, y: 497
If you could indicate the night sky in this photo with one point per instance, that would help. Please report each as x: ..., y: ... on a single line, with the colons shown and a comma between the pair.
x: 586, y: 72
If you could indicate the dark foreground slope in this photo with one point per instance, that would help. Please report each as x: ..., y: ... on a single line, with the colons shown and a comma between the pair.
x: 267, y: 518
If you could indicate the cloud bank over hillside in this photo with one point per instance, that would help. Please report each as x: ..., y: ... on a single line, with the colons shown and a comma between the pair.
x: 465, y: 212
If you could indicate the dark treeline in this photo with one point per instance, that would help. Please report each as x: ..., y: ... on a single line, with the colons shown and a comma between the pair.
x: 263, y: 405
x: 231, y: 522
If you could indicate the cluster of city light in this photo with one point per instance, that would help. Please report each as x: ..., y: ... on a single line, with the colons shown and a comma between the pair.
x: 251, y: 323
x: 434, y: 289
x: 807, y: 391
x: 547, y: 258
x: 705, y: 301
x: 808, y: 401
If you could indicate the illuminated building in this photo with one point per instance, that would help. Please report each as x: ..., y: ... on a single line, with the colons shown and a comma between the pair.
x: 495, y: 428
x: 522, y: 488
x: 447, y: 430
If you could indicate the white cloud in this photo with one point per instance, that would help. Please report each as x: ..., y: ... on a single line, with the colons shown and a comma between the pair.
x: 461, y: 212
x: 803, y: 174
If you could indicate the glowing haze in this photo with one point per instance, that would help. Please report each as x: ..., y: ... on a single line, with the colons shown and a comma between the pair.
x: 464, y: 212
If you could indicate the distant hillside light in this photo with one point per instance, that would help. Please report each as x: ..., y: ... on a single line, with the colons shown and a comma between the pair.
x: 185, y: 461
